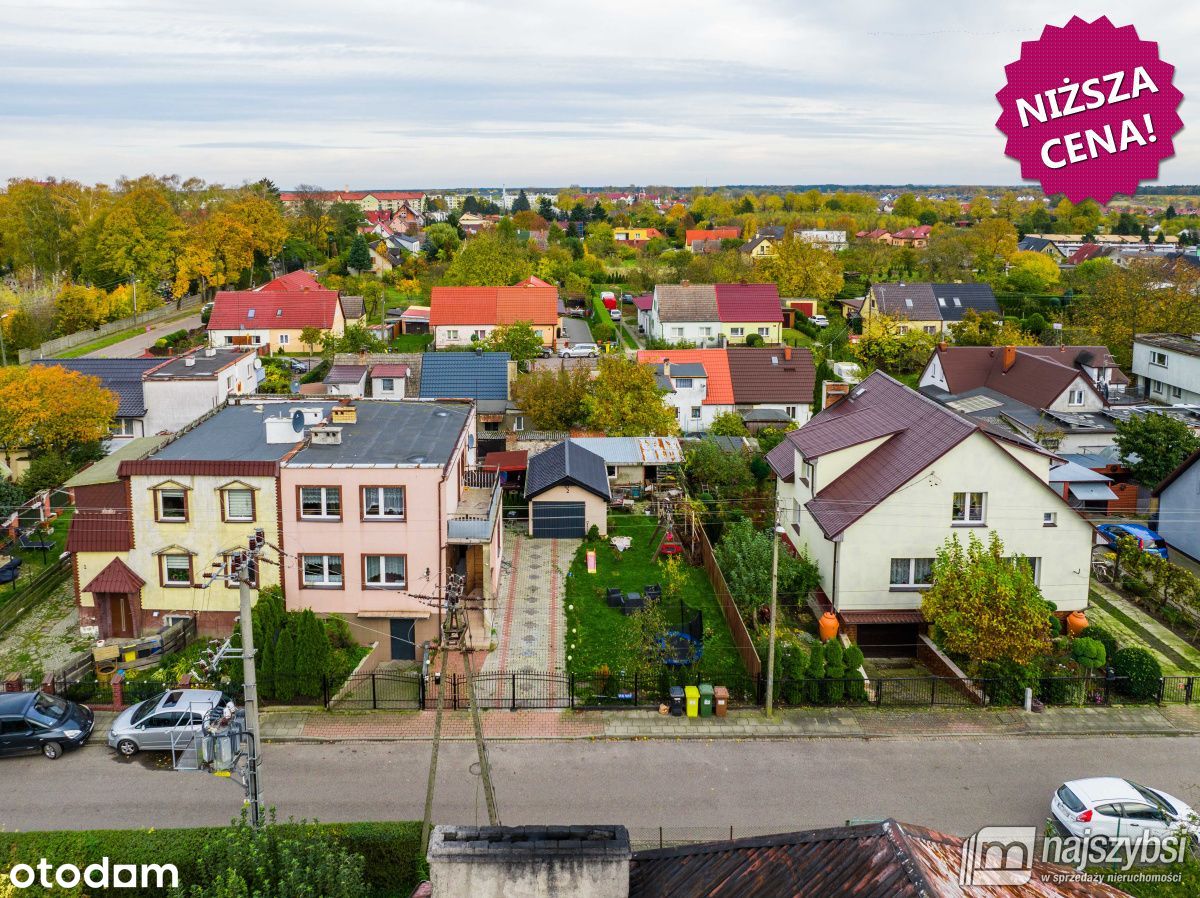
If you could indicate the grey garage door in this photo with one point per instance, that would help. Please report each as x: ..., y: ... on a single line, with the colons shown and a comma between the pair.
x: 559, y: 520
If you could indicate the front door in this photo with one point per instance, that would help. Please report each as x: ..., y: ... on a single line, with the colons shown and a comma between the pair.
x: 119, y: 613
x: 404, y: 645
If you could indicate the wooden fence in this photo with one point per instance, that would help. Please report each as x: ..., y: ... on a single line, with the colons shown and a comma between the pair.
x: 733, y: 618
x: 52, y: 347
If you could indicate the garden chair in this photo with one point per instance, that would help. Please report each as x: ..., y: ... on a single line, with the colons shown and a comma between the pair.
x: 27, y: 541
x: 9, y: 569
x: 614, y: 597
x: 652, y: 592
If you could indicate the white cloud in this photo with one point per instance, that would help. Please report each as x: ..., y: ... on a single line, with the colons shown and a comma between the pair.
x: 459, y: 92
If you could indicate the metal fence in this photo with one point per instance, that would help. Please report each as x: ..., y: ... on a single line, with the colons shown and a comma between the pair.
x: 522, y: 690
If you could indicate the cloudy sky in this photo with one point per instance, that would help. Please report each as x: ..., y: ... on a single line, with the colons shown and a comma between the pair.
x: 406, y: 93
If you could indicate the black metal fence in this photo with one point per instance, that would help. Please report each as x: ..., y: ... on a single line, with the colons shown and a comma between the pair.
x: 522, y: 690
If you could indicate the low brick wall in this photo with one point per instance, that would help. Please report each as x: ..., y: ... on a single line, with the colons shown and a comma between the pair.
x: 941, y: 666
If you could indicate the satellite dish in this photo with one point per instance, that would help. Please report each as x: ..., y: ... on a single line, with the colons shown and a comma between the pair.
x: 298, y: 421
x: 258, y: 364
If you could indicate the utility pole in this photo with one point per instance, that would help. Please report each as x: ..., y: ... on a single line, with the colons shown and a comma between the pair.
x: 246, y: 572
x: 133, y: 281
x: 775, y: 531
x: 3, y: 355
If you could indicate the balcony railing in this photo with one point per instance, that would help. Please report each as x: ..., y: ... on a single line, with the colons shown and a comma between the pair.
x: 481, y: 501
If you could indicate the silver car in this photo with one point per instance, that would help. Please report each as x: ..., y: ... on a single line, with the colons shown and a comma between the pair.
x: 169, y: 720
x: 579, y: 351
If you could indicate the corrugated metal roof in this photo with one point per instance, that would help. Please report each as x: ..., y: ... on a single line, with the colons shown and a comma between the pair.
x: 634, y: 450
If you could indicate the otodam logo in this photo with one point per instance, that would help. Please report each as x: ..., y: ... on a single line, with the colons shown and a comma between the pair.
x: 101, y: 875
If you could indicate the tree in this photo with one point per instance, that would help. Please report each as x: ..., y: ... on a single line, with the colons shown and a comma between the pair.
x: 1153, y: 445
x: 744, y: 554
x: 518, y: 339
x: 770, y: 437
x: 359, y: 259
x: 1032, y: 272
x: 138, y: 238
x: 530, y: 221
x: 893, y: 345
x: 546, y: 208
x: 728, y: 424
x: 356, y: 339
x: 227, y: 241
x: 713, y: 470
x: 800, y: 269
x: 490, y: 260
x: 521, y: 203
x: 442, y: 240
x: 311, y: 336
x: 285, y: 665
x: 50, y: 409
x: 552, y: 400
x: 986, y: 605
x: 312, y: 654
x: 626, y: 400
x: 1088, y: 653
x: 986, y: 329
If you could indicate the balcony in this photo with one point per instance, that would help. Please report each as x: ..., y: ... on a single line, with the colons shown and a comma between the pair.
x: 477, y: 509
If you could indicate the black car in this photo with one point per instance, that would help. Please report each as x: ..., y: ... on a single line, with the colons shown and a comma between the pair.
x: 37, y: 721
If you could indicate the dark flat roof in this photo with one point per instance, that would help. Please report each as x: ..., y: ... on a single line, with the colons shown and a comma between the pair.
x: 204, y: 366
x: 393, y: 433
x: 236, y: 433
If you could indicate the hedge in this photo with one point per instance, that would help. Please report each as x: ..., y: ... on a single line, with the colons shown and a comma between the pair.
x: 390, y: 852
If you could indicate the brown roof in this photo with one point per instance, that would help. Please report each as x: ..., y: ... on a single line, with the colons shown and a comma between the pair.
x: 874, y: 860
x: 772, y: 375
x: 513, y: 460
x: 1038, y: 376
x: 201, y: 468
x: 389, y: 371
x: 116, y: 577
x: 881, y: 617
x: 110, y: 530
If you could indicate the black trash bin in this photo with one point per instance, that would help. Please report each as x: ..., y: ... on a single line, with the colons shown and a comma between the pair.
x: 676, y: 704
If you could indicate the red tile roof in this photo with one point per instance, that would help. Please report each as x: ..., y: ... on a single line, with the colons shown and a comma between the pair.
x: 389, y: 370
x: 273, y: 310
x: 533, y: 281
x: 296, y: 280
x: 748, y: 302
x: 716, y: 366
x: 713, y: 234
x: 493, y: 305
x: 116, y: 577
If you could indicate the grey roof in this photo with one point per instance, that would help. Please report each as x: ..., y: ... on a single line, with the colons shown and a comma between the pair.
x: 1070, y: 472
x: 397, y: 433
x: 932, y: 302
x: 203, y: 364
x: 1174, y: 342
x: 236, y: 433
x: 566, y: 463
x: 345, y: 374
x: 121, y: 376
x: 769, y: 415
x: 353, y: 307
x: 464, y: 375
x: 634, y: 450
x: 1036, y: 244
x: 691, y: 303
x: 684, y: 369
x: 954, y: 299
x: 984, y: 404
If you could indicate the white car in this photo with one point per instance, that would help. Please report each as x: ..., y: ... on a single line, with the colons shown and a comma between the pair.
x: 1109, y: 806
x: 579, y: 351
x: 819, y: 320
x: 614, y: 314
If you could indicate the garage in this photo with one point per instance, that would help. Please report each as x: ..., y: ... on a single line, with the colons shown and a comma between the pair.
x: 559, y: 520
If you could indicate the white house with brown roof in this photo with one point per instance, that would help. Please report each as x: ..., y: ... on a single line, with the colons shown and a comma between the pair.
x: 872, y: 487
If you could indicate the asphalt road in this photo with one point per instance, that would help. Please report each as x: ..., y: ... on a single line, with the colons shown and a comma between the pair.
x: 953, y: 784
x: 136, y: 346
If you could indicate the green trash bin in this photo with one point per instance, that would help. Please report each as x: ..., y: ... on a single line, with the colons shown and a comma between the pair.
x: 706, y: 700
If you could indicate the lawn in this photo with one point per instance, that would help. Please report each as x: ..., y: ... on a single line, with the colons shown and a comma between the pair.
x: 1132, y: 626
x: 411, y: 343
x: 35, y: 560
x: 597, y: 632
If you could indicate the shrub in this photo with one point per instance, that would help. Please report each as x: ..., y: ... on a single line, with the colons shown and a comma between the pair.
x: 1136, y: 585
x: 814, y: 674
x: 754, y: 340
x: 1103, y: 637
x: 1007, y: 681
x: 339, y: 633
x: 1140, y: 670
x: 835, y: 670
x: 1087, y: 652
x: 593, y: 534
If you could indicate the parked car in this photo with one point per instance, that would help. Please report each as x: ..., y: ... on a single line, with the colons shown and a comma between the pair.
x: 1108, y: 806
x: 165, y: 721
x: 579, y: 351
x: 1147, y: 539
x: 614, y: 314
x: 819, y: 320
x: 37, y: 721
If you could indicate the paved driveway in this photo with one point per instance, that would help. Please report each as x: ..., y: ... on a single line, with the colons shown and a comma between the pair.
x: 136, y: 346
x: 576, y: 330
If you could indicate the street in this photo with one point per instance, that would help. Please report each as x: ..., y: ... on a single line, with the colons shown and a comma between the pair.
x: 952, y: 784
x: 135, y: 346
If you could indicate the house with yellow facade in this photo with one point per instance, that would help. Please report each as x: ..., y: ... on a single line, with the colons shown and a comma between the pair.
x: 927, y: 307
x: 273, y: 319
x: 635, y: 236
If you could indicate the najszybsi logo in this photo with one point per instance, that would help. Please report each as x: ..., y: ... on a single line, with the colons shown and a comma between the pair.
x: 101, y: 875
x: 1005, y: 855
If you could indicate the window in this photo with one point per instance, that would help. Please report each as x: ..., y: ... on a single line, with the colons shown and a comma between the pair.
x: 387, y: 384
x: 902, y: 329
x: 810, y: 473
x: 238, y: 505
x: 321, y: 502
x: 123, y: 427
x: 695, y: 413
x: 1158, y: 358
x: 677, y: 331
x: 790, y: 411
x: 479, y: 334
x: 1075, y: 397
x: 322, y: 571
x: 764, y: 331
x: 383, y: 503
x: 519, y: 423
x: 385, y: 571
x: 942, y: 301
x: 957, y: 303
x: 284, y: 338
x: 452, y: 333
x: 250, y: 313
x: 171, y: 504
x: 968, y: 508
x: 1176, y: 392
x: 683, y: 383
x: 1156, y: 385
x: 930, y: 329
x: 796, y: 511
x: 706, y: 331
x: 610, y: 470
x: 908, y: 303
x: 1035, y: 565
x: 737, y: 331
x: 911, y: 572
x: 176, y: 570
x: 1050, y: 519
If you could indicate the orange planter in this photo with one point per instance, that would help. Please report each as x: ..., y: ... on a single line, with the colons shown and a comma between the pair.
x: 828, y: 626
x: 1076, y: 622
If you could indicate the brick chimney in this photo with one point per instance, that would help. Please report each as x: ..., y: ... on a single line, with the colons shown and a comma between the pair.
x: 943, y: 346
x: 787, y: 353
x: 666, y: 367
x: 1010, y: 358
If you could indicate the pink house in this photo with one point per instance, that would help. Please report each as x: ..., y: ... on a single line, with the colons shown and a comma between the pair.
x: 378, y: 507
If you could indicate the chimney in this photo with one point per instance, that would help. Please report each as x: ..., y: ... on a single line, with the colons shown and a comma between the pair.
x: 787, y: 353
x: 666, y: 367
x: 189, y: 362
x: 1010, y: 358
x: 943, y: 346
x: 325, y: 435
x: 344, y: 413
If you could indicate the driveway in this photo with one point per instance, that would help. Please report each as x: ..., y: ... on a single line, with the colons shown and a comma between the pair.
x: 137, y: 346
x: 576, y: 330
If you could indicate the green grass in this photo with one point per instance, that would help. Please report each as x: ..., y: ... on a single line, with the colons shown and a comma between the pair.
x: 1176, y: 658
x: 112, y: 339
x: 598, y: 632
x: 411, y: 342
x: 793, y: 337
x: 34, y: 560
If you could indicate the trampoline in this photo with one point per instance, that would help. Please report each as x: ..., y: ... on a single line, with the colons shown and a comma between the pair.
x: 681, y: 650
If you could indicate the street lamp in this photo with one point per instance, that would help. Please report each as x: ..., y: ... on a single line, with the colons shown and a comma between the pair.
x: 3, y: 356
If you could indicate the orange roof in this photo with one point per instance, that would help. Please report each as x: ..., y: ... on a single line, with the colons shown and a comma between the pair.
x: 493, y: 305
x: 714, y: 234
x: 716, y: 366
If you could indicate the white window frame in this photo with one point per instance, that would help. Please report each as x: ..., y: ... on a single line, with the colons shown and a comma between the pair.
x: 1050, y: 519
x: 229, y: 515
x: 1075, y: 397
x: 1158, y: 358
x: 387, y: 384
x: 162, y: 516
x: 284, y: 339
x: 974, y: 509
x: 764, y: 332
x: 324, y: 515
x: 519, y: 422
x: 383, y: 574
x: 737, y: 331
x: 186, y: 569
x: 910, y: 581
x: 326, y: 581
x: 697, y: 413
x: 381, y: 504
x: 451, y: 333
x: 1176, y: 392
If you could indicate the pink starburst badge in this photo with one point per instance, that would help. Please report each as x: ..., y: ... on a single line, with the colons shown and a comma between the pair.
x: 1089, y: 110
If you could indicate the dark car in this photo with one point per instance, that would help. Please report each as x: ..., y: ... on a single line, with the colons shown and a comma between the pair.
x: 37, y: 721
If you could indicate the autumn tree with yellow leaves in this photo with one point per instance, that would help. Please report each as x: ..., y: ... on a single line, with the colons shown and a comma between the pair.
x: 45, y: 408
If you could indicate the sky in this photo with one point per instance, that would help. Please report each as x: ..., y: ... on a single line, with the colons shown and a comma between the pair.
x: 455, y: 93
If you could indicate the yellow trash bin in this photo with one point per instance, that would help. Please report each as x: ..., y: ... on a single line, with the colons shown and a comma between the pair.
x: 692, y: 700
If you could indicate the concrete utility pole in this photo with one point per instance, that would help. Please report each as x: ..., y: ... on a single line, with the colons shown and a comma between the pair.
x: 3, y: 355
x: 246, y: 573
x: 778, y: 529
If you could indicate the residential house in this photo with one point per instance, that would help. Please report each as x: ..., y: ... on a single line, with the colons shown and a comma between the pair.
x: 568, y: 493
x: 381, y: 502
x: 354, y: 310
x: 644, y: 303
x: 715, y: 314
x: 484, y: 377
x: 122, y: 377
x: 637, y: 237
x: 472, y: 223
x: 634, y: 461
x: 1167, y: 367
x: 874, y: 484
x: 913, y: 238
x: 766, y: 386
x: 1043, y: 246
x: 367, y: 200
x: 877, y: 235
x: 1179, y: 508
x: 462, y: 316
x: 389, y: 381
x: 822, y: 239
x: 346, y: 380
x: 291, y: 282
x: 271, y: 320
x: 700, y: 240
x: 929, y: 307
x: 761, y: 247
